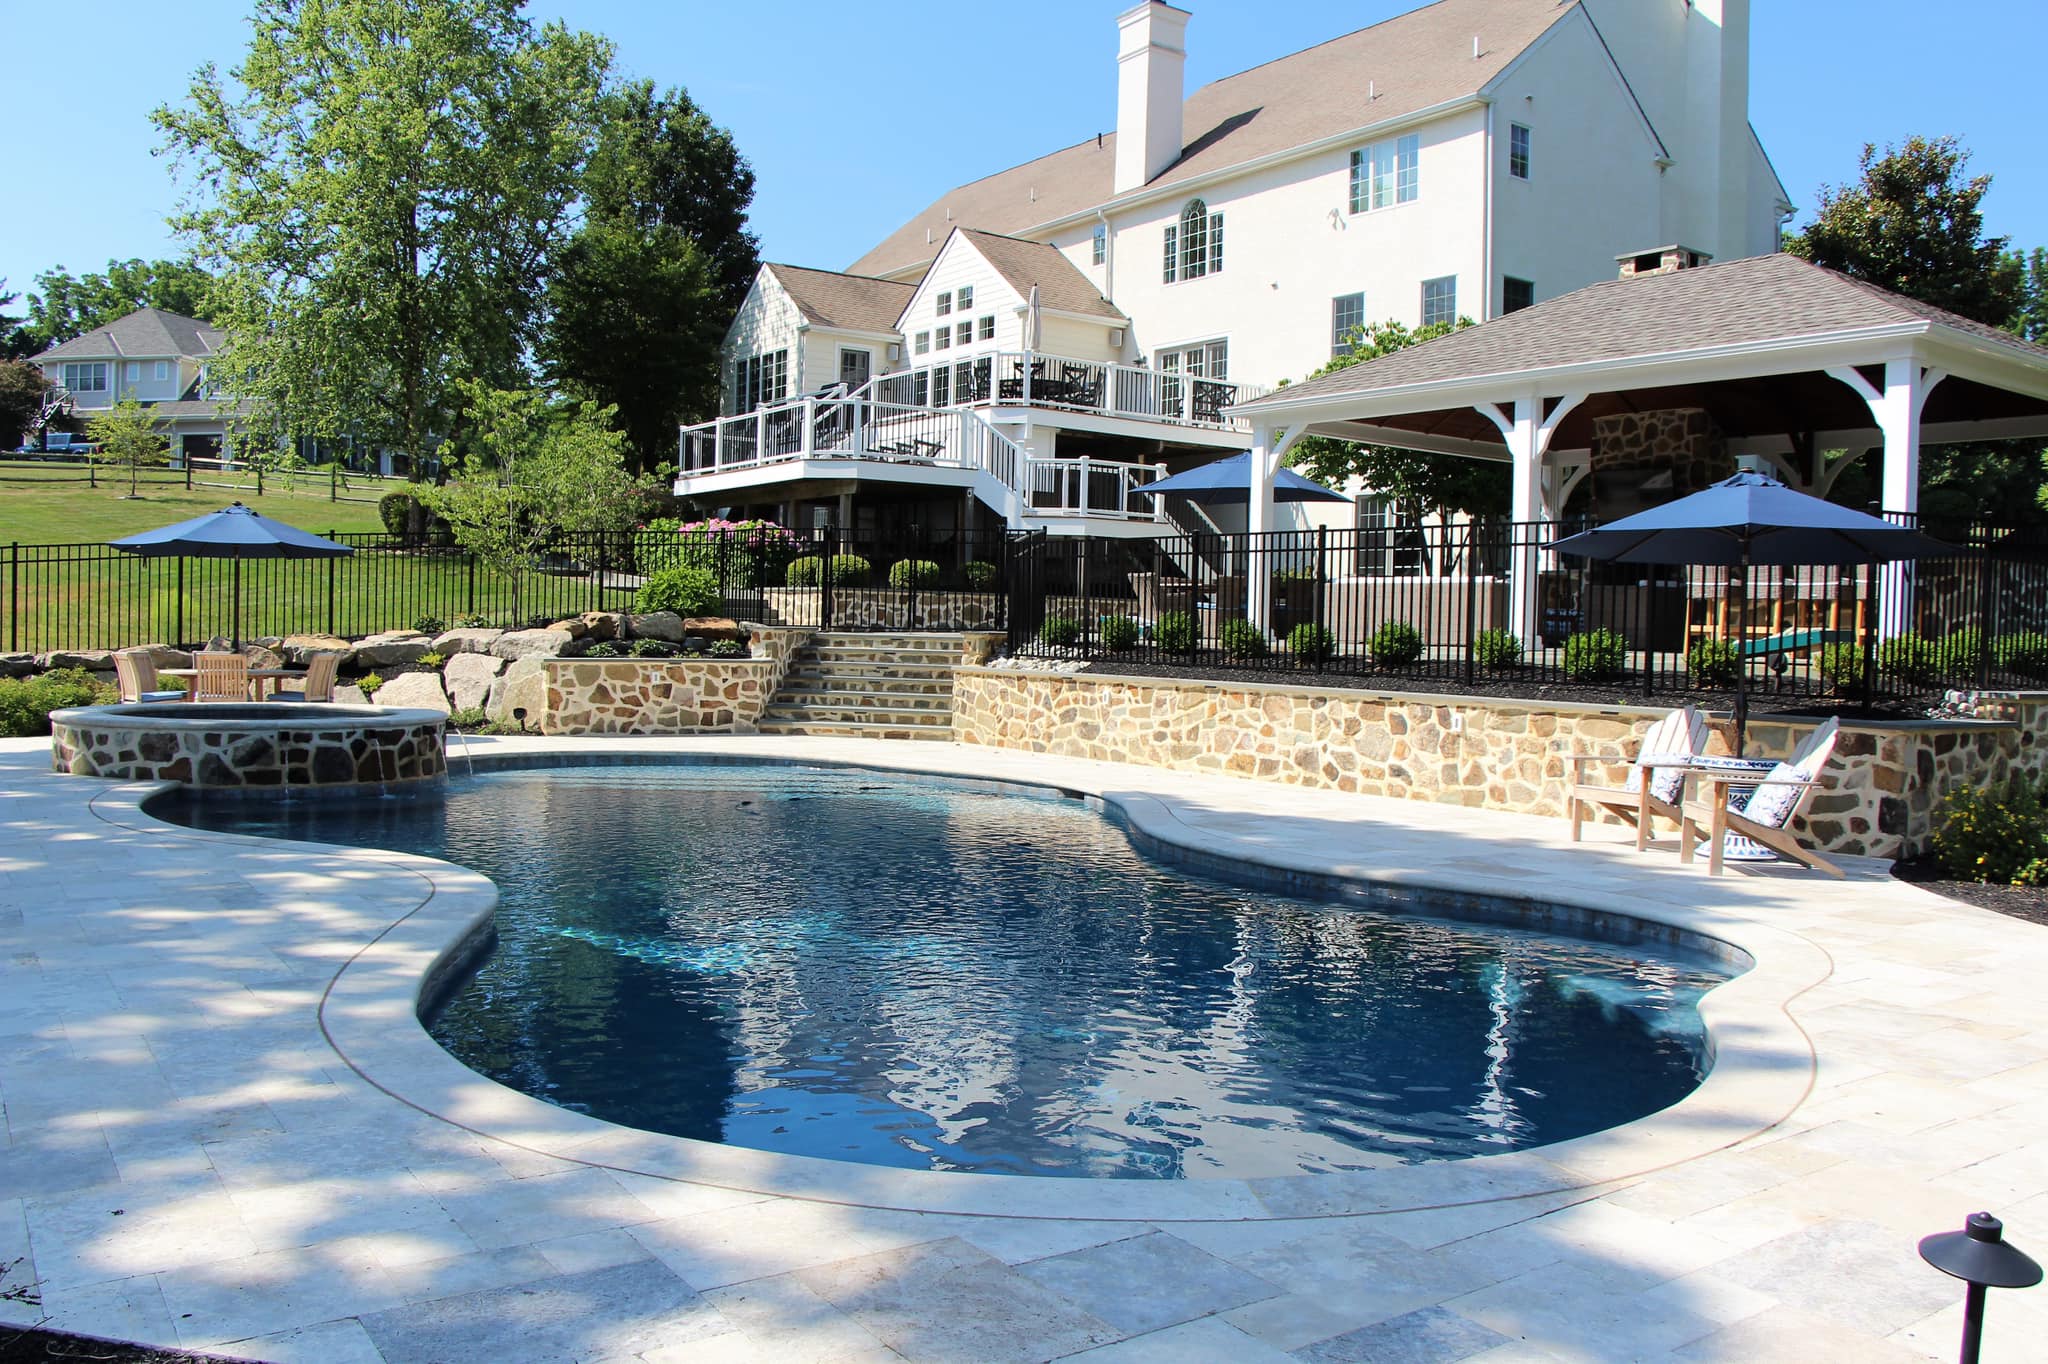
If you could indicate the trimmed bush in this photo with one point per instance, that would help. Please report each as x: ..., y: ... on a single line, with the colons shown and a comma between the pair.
x: 26, y: 702
x: 1712, y: 663
x: 1242, y: 639
x: 685, y: 591
x: 1841, y: 664
x: 913, y: 573
x: 1396, y: 644
x: 1990, y: 835
x: 1594, y: 655
x: 1909, y: 658
x: 848, y: 570
x: 655, y: 648
x: 395, y: 510
x: 2025, y: 653
x: 1958, y: 655
x: 1060, y: 632
x: 1497, y: 650
x: 1175, y: 631
x: 980, y: 575
x: 726, y: 648
x: 1312, y: 643
x: 430, y: 625
x: 1120, y: 632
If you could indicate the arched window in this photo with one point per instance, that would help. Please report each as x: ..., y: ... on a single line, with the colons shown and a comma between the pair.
x: 1194, y: 245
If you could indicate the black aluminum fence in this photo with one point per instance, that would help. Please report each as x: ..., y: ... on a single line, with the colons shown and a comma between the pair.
x: 1433, y: 606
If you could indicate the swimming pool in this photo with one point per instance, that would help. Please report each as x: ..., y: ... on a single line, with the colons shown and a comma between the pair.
x: 934, y: 975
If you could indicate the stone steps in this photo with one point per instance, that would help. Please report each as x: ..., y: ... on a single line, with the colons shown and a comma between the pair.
x: 893, y: 686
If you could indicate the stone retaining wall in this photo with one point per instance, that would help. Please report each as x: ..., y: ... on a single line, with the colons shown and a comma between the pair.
x: 666, y: 695
x: 1884, y: 786
x: 300, y: 745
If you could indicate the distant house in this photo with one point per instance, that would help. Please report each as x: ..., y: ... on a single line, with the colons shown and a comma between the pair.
x: 1109, y: 302
x: 158, y: 358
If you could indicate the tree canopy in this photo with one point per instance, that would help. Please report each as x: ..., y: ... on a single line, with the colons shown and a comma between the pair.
x: 64, y: 305
x: 15, y: 341
x: 383, y: 185
x: 129, y: 439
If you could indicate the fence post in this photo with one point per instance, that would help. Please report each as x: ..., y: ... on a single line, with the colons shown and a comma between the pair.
x: 1866, y: 618
x: 331, y: 622
x: 181, y: 599
x: 827, y: 572
x: 92, y: 479
x: 469, y: 560
x: 1316, y: 606
x: 14, y: 595
x: 1987, y: 614
x: 187, y: 462
x: 1472, y: 533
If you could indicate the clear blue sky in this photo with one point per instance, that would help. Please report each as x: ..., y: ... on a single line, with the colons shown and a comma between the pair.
x: 856, y: 116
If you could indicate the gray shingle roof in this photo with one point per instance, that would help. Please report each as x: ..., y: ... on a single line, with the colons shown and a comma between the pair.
x: 848, y: 302
x: 1413, y: 61
x: 146, y: 333
x: 1758, y: 300
x: 1061, y: 287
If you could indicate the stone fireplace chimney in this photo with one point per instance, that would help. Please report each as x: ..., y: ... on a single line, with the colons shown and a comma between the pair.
x: 1150, y: 61
x: 1664, y: 260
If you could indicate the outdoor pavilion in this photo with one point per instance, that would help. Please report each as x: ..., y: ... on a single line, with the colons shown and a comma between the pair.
x: 1789, y: 360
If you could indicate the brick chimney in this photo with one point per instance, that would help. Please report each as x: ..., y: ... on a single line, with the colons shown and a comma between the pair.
x: 1150, y: 61
x: 1664, y: 260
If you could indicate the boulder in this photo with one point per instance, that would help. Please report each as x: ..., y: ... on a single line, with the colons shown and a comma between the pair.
x: 601, y: 624
x: 574, y: 625
x: 468, y: 678
x: 392, y: 649
x: 658, y: 625
x: 349, y: 694
x: 523, y: 686
x: 17, y: 665
x: 518, y: 644
x: 164, y: 656
x: 94, y: 660
x: 298, y: 650
x: 449, y: 643
x: 260, y: 657
x: 415, y: 690
x: 714, y: 628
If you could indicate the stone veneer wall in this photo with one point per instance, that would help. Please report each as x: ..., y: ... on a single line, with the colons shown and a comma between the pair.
x: 884, y: 608
x: 98, y: 742
x: 1683, y: 440
x: 667, y: 695
x: 1883, y: 787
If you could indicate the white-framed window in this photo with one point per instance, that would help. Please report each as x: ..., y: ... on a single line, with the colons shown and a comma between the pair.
x: 943, y: 338
x: 987, y: 328
x: 1386, y: 173
x: 163, y: 370
x: 88, y: 377
x: 1192, y: 378
x: 1194, y: 245
x: 944, y: 303
x: 134, y: 371
x: 964, y: 300
x: 1098, y: 247
x: 1516, y: 294
x: 760, y: 380
x: 855, y: 365
x: 1390, y: 539
x: 942, y: 386
x: 1518, y: 151
x: 1347, y: 315
x: 921, y: 343
x: 1440, y: 301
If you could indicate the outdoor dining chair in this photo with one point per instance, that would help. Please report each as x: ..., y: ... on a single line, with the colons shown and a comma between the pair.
x: 1758, y: 827
x: 220, y: 677
x: 319, y: 680
x: 1656, y: 780
x: 135, y: 671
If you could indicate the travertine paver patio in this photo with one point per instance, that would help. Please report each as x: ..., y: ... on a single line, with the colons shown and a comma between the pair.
x: 219, y: 1137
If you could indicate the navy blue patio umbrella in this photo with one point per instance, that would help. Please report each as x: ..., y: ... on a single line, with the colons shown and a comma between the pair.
x: 1752, y: 519
x: 236, y: 532
x: 1229, y: 480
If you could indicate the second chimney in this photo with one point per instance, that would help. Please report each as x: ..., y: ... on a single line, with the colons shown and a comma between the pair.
x: 1151, y: 59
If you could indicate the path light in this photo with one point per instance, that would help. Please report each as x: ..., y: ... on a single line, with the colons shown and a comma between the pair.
x: 1980, y: 1257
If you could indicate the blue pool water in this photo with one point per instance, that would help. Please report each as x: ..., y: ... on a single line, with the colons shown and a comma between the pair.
x: 917, y: 973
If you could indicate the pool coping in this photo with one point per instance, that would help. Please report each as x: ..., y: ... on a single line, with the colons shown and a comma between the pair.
x: 1763, y: 1061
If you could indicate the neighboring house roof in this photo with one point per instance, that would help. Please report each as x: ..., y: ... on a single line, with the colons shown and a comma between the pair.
x: 1757, y: 301
x: 1411, y: 63
x: 195, y: 408
x: 146, y: 333
x: 1061, y: 287
x: 851, y: 303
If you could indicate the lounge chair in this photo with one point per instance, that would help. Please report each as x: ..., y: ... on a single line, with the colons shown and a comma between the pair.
x: 320, y: 671
x: 220, y: 677
x: 1655, y: 782
x: 1758, y: 827
x: 135, y: 670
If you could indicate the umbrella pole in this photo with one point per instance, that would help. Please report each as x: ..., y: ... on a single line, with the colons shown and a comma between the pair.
x: 235, y: 609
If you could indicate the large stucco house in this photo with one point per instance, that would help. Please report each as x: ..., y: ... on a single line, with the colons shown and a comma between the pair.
x: 1034, y: 345
x: 158, y: 358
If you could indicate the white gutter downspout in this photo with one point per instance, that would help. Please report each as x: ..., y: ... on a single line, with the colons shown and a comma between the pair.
x: 1108, y: 261
x: 1486, y: 203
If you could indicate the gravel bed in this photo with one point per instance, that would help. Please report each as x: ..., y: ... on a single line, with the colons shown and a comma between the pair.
x: 2017, y: 902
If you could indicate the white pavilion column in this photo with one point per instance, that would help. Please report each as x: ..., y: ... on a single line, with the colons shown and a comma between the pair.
x: 1897, y: 408
x: 1269, y: 444
x: 1528, y: 433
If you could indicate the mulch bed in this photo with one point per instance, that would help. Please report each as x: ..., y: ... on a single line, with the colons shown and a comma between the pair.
x: 18, y: 1346
x: 2018, y: 902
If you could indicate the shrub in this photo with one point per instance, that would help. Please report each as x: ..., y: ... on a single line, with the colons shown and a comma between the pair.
x: 1841, y: 663
x: 913, y: 573
x: 395, y: 510
x: 26, y: 702
x: 727, y: 648
x: 850, y: 570
x: 2025, y: 653
x: 429, y: 625
x: 1060, y: 632
x: 980, y: 575
x: 1312, y: 643
x: 803, y: 572
x: 655, y: 648
x: 1909, y: 658
x: 1242, y: 639
x: 475, y: 620
x: 685, y: 591
x: 741, y: 553
x: 1958, y: 654
x: 1396, y: 644
x: 1120, y: 632
x: 431, y: 659
x: 1712, y: 663
x: 1592, y: 655
x: 471, y: 717
x: 1497, y: 650
x: 1175, y: 631
x: 1991, y: 835
x: 847, y: 569
x: 371, y: 684
x: 604, y: 648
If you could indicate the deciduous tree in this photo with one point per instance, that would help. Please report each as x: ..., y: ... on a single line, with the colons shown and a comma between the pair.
x: 63, y: 305
x: 22, y: 386
x: 129, y: 439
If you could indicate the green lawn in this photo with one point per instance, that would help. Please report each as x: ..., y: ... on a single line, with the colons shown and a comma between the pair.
x: 53, y: 504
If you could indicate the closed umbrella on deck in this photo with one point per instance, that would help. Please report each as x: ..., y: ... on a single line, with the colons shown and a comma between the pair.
x: 236, y: 532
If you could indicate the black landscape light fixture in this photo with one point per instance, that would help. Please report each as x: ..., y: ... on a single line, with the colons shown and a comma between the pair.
x: 1981, y: 1258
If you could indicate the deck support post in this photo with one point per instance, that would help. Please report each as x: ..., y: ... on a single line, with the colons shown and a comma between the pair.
x: 1898, y: 408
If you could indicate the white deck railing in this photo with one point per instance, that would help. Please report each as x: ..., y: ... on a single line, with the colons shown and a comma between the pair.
x: 1034, y: 379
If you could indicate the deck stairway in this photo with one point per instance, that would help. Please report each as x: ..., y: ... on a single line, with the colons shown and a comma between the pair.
x: 868, y: 686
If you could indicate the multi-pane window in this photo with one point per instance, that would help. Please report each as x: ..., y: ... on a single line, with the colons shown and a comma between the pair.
x: 965, y: 298
x: 1098, y: 250
x: 1518, y: 151
x: 134, y: 371
x: 1440, y: 301
x: 988, y: 327
x: 1386, y: 173
x: 922, y: 342
x: 1390, y: 539
x: 944, y: 338
x: 942, y: 386
x: 90, y: 377
x: 1516, y: 294
x: 854, y: 367
x: 1347, y: 317
x: 944, y: 304
x: 760, y: 380
x: 1194, y: 245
